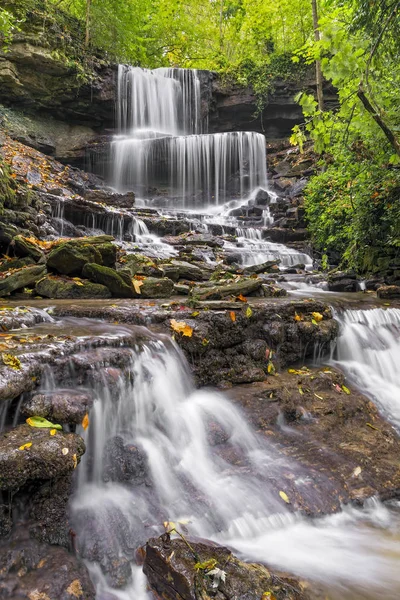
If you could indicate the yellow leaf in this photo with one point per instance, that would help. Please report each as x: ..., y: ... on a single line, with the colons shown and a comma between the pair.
x: 317, y: 316
x: 346, y: 390
x: 25, y: 446
x: 271, y: 368
x: 320, y: 397
x: 232, y: 315
x: 301, y: 391
x: 181, y: 327
x: 85, y: 421
x: 137, y: 285
x: 298, y: 317
x: 53, y: 431
x: 249, y: 312
x: 11, y: 361
x: 169, y: 525
x: 195, y: 313
x: 75, y: 460
x: 284, y: 497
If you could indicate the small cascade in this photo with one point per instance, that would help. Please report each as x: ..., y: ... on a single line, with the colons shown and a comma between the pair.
x: 161, y: 143
x: 368, y: 350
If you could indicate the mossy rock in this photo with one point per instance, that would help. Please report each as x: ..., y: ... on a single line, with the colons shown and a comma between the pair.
x: 154, y: 287
x: 15, y: 263
x: 69, y: 259
x: 138, y: 264
x: 26, y: 276
x: 108, y: 254
x: 52, y: 287
x: 24, y: 247
x: 118, y: 283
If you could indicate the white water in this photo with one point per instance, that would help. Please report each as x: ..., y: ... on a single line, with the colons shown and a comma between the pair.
x: 159, y: 122
x: 354, y: 553
x: 368, y: 350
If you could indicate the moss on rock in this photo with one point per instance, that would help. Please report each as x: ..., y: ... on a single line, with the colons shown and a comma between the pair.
x: 119, y: 283
x: 59, y: 288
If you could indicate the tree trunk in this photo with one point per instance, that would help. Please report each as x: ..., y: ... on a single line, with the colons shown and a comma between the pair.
x: 390, y: 136
x: 318, y: 70
x: 87, y: 35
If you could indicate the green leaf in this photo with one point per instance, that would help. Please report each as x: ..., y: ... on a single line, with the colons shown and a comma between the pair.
x: 42, y: 422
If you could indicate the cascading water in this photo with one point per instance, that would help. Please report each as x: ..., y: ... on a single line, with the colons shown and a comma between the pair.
x: 160, y: 142
x: 154, y: 456
x: 368, y: 350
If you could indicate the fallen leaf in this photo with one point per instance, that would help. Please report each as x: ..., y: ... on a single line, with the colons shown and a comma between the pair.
x: 298, y: 317
x: 42, y: 422
x: 320, y: 397
x: 241, y: 298
x: 249, y: 312
x: 232, y: 315
x: 137, y: 284
x: 317, y: 316
x: 284, y: 497
x: 25, y: 446
x: 75, y: 460
x: 11, y: 361
x: 85, y: 421
x: 271, y: 368
x: 346, y: 390
x: 301, y: 391
x: 372, y: 426
x: 195, y: 313
x: 53, y: 431
x: 181, y: 327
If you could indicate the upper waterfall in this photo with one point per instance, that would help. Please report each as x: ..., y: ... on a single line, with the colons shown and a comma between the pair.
x: 163, y: 148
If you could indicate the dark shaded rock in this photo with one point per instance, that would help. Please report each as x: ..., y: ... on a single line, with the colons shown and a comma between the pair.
x: 25, y: 276
x: 69, y: 258
x: 124, y: 461
x: 283, y: 235
x: 181, y: 289
x: 44, y: 459
x: 15, y: 263
x: 63, y: 406
x: 57, y: 287
x: 170, y: 271
x: 170, y: 568
x: 272, y: 291
x: 243, y: 286
x: 117, y: 282
x: 7, y: 233
x: 342, y: 284
x: 388, y: 291
x: 23, y: 247
x: 111, y: 198
x: 262, y: 198
x: 48, y: 510
x: 31, y: 570
x: 194, y: 239
x: 108, y: 253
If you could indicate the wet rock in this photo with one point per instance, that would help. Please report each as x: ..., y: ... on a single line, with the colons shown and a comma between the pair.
x: 282, y: 235
x: 388, y: 291
x: 137, y: 264
x: 187, y: 270
x: 70, y: 258
x: 111, y: 198
x: 170, y: 271
x: 123, y: 461
x: 49, y: 456
x: 156, y: 288
x: 117, y: 282
x: 15, y: 263
x: 30, y: 570
x: 342, y: 281
x: 243, y: 286
x: 63, y: 406
x: 25, y: 276
x: 170, y: 568
x: 194, y: 239
x: 262, y: 198
x: 270, y: 266
x: 7, y: 233
x: 57, y: 287
x: 181, y: 289
x: 24, y: 247
x: 272, y: 291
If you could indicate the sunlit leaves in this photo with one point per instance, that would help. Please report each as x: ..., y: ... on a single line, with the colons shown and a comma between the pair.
x: 181, y: 327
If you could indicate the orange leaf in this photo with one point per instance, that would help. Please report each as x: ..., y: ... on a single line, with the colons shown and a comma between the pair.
x: 232, y: 314
x: 241, y: 298
x: 182, y: 327
x: 85, y: 422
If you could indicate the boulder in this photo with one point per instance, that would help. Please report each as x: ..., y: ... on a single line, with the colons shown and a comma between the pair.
x: 15, y: 263
x: 170, y: 567
x: 59, y: 288
x: 118, y: 283
x: 24, y: 247
x: 388, y: 291
x: 187, y: 271
x: 194, y: 239
x: 124, y: 462
x: 69, y: 258
x: 137, y: 264
x: 273, y: 291
x: 25, y: 276
x: 60, y: 406
x: 47, y: 457
x: 156, y: 288
x: 242, y: 287
x: 271, y: 266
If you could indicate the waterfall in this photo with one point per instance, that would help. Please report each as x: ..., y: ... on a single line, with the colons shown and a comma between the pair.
x: 368, y: 350
x: 161, y: 145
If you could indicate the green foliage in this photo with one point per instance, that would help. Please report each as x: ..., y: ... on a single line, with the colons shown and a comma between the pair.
x: 8, y: 25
